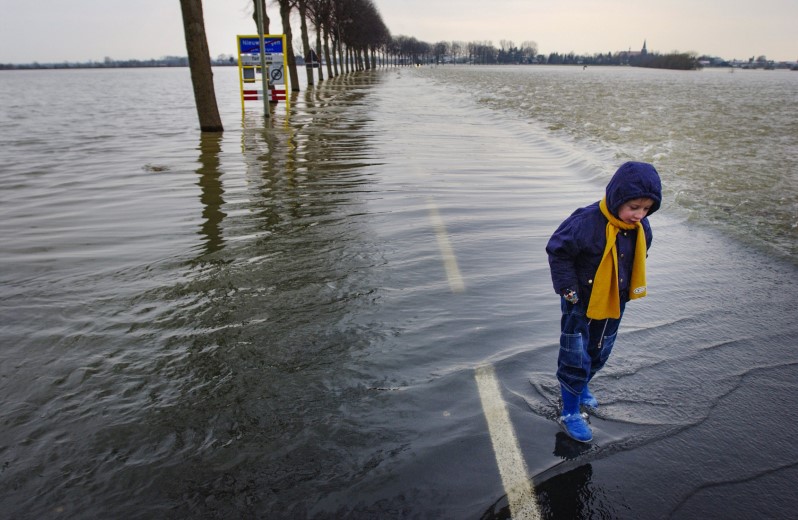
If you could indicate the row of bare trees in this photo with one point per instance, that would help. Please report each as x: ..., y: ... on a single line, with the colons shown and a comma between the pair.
x: 348, y: 34
x: 341, y: 35
x: 344, y: 36
x: 405, y: 49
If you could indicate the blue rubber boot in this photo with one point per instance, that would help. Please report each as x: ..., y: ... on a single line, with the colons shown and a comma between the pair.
x: 587, y: 399
x: 571, y: 421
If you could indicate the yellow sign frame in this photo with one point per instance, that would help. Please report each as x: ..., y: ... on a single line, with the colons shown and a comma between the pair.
x: 247, y: 72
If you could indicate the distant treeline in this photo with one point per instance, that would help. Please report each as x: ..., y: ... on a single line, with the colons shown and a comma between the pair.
x: 407, y: 50
x: 677, y: 61
x: 474, y: 53
x: 109, y: 63
x: 681, y: 61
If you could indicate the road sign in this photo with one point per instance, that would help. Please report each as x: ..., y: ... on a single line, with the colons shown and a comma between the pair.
x: 276, y: 76
x: 249, y: 44
x: 249, y: 66
x: 254, y: 58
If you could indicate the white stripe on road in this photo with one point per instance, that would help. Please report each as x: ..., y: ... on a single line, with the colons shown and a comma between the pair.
x: 512, y: 468
x: 447, y: 253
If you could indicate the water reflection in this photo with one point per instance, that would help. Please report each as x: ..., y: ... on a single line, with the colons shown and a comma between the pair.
x: 569, y: 494
x: 573, y: 495
x: 255, y: 348
x: 568, y: 449
x: 211, y: 191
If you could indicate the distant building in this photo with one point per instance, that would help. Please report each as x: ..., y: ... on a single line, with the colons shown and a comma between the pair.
x: 625, y: 56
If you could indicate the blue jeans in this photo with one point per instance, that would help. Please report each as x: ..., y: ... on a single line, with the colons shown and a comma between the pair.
x: 585, y: 345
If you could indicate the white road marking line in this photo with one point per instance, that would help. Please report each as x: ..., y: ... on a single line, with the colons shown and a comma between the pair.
x: 456, y: 283
x: 512, y: 468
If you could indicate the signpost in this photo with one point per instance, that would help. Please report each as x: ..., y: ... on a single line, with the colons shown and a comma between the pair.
x: 262, y: 52
x: 259, y: 54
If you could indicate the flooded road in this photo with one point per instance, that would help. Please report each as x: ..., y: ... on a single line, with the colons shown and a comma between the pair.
x: 330, y: 314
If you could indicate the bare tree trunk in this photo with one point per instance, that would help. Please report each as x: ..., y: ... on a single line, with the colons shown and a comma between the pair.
x: 318, y: 53
x: 199, y: 61
x: 265, y: 16
x: 341, y: 57
x: 285, y: 16
x: 327, y: 54
x: 303, y: 24
x: 336, y: 58
x: 350, y: 64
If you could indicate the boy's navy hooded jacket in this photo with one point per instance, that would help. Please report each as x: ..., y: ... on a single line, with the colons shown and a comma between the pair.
x: 576, y: 248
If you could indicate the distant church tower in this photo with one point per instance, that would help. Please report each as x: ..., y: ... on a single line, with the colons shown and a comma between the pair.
x: 644, y: 51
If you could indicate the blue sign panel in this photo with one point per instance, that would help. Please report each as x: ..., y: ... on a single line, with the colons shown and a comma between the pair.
x: 274, y: 45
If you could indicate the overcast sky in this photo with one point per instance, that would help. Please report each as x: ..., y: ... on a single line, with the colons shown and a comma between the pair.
x: 81, y: 30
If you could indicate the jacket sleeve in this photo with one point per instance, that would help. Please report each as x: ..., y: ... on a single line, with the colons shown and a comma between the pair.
x: 563, y: 248
x: 648, y: 232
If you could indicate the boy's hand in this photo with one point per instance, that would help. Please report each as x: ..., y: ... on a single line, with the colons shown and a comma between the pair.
x: 570, y: 296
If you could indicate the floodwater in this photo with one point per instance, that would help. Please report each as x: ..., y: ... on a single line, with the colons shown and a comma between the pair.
x: 288, y: 320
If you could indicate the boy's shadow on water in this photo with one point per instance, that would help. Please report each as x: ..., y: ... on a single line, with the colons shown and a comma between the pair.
x: 569, y: 496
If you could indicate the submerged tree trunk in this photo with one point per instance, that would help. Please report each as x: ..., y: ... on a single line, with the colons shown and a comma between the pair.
x: 318, y: 52
x: 303, y: 25
x: 285, y: 16
x: 327, y: 54
x: 340, y: 61
x: 199, y: 61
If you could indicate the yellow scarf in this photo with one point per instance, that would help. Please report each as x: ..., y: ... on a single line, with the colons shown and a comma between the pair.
x: 605, y: 300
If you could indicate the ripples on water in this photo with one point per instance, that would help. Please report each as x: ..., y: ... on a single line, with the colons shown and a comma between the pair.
x: 202, y: 286
x: 259, y: 323
x: 725, y: 143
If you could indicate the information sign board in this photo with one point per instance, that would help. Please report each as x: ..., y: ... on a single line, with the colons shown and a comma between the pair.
x: 249, y: 67
x: 276, y: 74
x: 249, y: 45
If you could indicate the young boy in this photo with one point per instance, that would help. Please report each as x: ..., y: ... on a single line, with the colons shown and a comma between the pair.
x: 597, y: 258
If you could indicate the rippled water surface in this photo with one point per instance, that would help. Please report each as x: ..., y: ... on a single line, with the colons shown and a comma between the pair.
x: 725, y: 141
x: 284, y: 320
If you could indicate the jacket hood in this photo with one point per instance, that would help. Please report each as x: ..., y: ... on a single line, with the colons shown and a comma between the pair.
x: 634, y: 180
